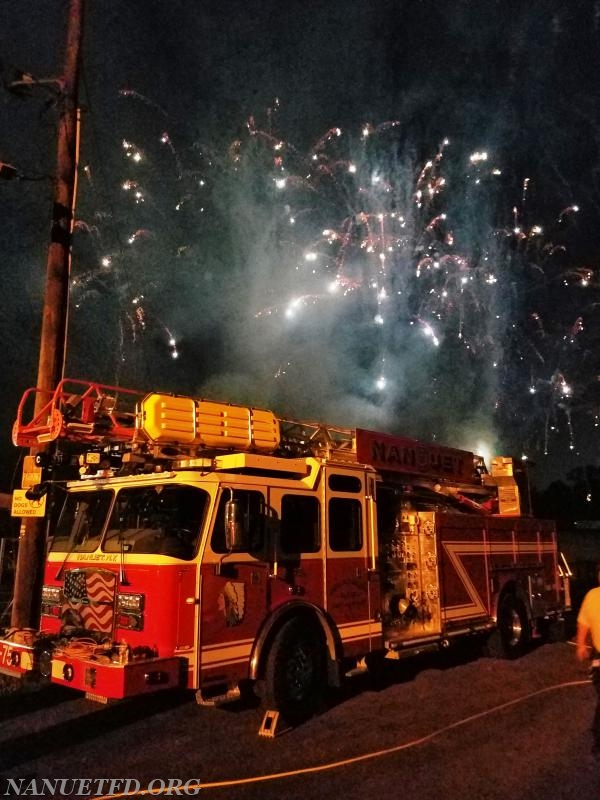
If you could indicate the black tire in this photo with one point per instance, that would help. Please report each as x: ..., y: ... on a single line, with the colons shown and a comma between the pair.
x: 295, y: 675
x: 513, y: 633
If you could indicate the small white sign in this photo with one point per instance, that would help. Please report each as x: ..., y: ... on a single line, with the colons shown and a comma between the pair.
x: 31, y: 473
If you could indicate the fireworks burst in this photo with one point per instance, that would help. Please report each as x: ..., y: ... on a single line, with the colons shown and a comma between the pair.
x: 412, y: 257
x: 353, y: 269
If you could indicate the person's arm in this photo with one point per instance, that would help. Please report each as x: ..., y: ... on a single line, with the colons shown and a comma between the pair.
x: 583, y: 649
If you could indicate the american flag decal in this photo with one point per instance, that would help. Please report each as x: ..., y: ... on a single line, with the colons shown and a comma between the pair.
x: 89, y: 599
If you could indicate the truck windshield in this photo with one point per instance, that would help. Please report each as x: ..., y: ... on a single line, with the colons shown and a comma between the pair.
x: 81, y: 522
x: 163, y: 520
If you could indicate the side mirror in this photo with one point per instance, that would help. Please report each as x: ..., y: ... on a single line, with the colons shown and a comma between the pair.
x: 38, y: 491
x: 235, y: 532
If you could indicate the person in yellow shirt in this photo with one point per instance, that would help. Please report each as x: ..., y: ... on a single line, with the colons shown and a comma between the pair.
x: 588, y: 629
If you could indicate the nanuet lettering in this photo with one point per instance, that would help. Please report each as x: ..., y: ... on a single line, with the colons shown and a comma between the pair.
x: 415, y: 457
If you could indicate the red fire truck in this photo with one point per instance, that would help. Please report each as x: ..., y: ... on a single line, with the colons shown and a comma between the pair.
x: 208, y: 546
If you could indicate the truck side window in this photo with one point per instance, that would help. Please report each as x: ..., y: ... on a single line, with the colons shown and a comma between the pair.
x: 253, y: 504
x: 300, y: 531
x: 344, y: 483
x: 81, y: 521
x: 345, y: 524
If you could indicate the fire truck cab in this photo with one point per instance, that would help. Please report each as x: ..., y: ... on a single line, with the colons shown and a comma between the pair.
x: 209, y: 546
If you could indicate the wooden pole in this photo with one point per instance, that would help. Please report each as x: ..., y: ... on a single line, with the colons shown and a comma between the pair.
x: 32, y: 539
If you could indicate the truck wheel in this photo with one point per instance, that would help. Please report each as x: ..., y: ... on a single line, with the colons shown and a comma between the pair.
x: 295, y: 675
x: 513, y: 632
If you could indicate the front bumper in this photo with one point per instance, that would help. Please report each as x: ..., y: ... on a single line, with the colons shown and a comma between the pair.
x: 31, y: 657
x: 103, y: 681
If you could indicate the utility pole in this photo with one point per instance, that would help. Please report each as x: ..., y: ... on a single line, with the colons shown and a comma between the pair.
x: 32, y: 539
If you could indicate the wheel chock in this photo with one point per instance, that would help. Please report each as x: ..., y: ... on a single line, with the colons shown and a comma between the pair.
x: 270, y: 726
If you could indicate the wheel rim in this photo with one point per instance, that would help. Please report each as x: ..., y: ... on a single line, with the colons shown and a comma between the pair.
x: 300, y: 673
x: 514, y: 627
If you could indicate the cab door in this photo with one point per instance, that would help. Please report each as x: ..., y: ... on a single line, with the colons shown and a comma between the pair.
x: 233, y: 592
x: 352, y: 588
x: 298, y: 548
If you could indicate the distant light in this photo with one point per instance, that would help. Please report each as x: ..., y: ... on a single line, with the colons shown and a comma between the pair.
x: 310, y: 256
x: 381, y: 383
x: 378, y: 319
x: 280, y: 183
x: 485, y: 451
x: 476, y: 157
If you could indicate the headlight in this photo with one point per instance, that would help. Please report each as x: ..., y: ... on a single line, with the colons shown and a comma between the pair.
x: 51, y: 595
x: 129, y: 611
x: 132, y: 603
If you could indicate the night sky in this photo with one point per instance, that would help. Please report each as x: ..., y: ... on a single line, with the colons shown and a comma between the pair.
x: 269, y: 213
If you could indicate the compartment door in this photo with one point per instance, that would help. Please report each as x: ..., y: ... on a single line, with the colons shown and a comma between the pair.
x: 411, y: 592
